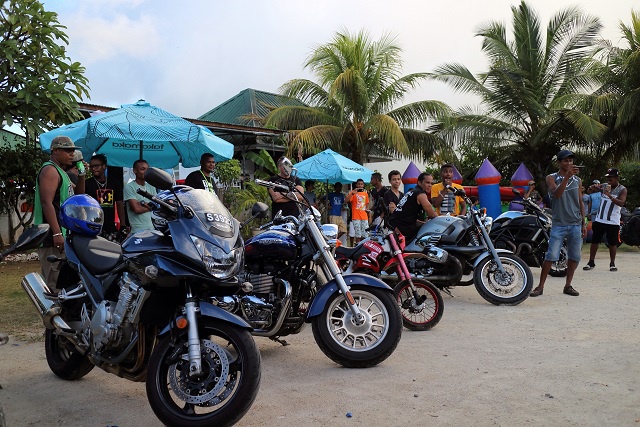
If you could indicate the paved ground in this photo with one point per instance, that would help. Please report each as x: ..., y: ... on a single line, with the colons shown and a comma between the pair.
x: 553, y: 360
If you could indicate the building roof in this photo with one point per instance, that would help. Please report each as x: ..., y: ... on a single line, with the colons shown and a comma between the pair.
x: 249, y: 102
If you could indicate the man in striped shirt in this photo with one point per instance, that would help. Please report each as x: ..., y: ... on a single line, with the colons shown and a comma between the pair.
x: 607, y: 220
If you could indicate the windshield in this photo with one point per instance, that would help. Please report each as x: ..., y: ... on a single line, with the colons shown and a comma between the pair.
x: 209, y: 209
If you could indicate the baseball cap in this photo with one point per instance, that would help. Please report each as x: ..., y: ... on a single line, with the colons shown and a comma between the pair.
x: 595, y: 181
x: 612, y: 172
x: 62, y: 142
x: 563, y: 154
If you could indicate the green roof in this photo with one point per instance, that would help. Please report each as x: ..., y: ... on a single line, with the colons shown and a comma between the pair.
x: 10, y: 139
x: 248, y: 102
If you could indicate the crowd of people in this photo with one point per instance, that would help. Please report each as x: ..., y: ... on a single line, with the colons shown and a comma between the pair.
x: 65, y: 174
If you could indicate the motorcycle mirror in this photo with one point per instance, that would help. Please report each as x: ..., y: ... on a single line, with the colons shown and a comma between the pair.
x: 31, y: 238
x: 158, y: 178
x: 259, y: 210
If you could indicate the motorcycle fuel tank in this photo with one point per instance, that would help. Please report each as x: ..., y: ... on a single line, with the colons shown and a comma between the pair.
x: 146, y: 240
x: 273, y: 244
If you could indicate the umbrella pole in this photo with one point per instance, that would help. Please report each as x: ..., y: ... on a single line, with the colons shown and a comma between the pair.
x: 141, y: 145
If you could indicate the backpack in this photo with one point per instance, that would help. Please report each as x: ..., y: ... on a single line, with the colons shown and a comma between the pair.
x: 630, y: 232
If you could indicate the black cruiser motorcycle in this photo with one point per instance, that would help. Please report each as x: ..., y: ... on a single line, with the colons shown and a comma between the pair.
x: 291, y: 279
x: 143, y: 310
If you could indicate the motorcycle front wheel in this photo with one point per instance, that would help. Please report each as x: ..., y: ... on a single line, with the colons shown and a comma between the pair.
x: 352, y: 345
x: 221, y: 394
x: 419, y: 315
x: 508, y: 288
x: 63, y: 358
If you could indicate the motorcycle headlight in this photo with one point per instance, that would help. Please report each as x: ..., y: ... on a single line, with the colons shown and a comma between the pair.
x: 219, y: 264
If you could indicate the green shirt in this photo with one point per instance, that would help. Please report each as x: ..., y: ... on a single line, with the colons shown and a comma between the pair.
x: 64, y: 191
x: 138, y: 221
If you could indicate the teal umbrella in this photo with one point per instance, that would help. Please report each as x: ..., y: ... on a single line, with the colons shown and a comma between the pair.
x: 332, y: 167
x: 142, y: 131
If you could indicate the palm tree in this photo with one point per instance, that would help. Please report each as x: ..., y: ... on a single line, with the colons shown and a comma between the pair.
x: 351, y: 106
x: 617, y: 102
x: 530, y: 93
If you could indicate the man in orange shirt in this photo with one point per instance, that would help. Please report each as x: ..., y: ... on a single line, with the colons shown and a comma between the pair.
x: 358, y: 199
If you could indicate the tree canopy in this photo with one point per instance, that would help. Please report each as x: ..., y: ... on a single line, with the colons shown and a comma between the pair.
x: 352, y: 105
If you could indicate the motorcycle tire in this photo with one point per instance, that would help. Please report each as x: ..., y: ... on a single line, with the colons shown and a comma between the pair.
x: 559, y: 268
x: 428, y: 313
x: 222, y: 394
x: 509, y: 289
x: 63, y: 358
x: 359, y: 346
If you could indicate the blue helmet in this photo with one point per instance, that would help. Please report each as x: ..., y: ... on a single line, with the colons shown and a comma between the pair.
x: 82, y: 214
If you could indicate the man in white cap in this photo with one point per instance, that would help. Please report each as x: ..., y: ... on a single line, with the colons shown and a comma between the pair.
x: 565, y: 189
x: 607, y: 219
x: 53, y: 187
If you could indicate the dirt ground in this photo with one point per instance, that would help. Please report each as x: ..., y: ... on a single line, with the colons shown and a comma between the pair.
x: 553, y: 360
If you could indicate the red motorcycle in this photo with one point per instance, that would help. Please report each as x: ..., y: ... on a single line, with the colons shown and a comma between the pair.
x: 380, y: 255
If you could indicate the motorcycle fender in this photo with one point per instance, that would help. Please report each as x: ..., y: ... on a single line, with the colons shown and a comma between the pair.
x: 209, y: 310
x: 393, y: 262
x: 319, y: 302
x: 488, y: 254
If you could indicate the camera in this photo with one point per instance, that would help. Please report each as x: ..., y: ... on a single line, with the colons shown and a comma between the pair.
x: 360, y: 190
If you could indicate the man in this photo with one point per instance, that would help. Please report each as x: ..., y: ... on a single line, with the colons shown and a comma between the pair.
x: 594, y: 193
x: 336, y: 203
x: 309, y: 193
x: 607, y: 219
x: 377, y: 197
x: 393, y: 195
x: 284, y: 202
x: 565, y: 188
x: 203, y: 178
x: 406, y: 216
x: 53, y: 187
x: 108, y: 192
x: 358, y: 200
x: 138, y: 211
x: 444, y: 200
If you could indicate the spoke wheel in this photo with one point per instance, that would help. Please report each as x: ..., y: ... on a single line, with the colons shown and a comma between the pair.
x: 423, y: 314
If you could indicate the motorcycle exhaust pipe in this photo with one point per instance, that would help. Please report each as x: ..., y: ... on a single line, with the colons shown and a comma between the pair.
x: 36, y: 289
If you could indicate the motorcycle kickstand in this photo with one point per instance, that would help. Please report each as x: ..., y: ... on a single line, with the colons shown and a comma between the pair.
x: 279, y: 340
x: 447, y: 291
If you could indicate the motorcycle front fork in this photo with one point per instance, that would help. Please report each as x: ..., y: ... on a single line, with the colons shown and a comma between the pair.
x: 191, y: 309
x: 402, y: 269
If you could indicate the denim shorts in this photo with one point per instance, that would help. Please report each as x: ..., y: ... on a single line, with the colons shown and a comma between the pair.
x: 573, y: 234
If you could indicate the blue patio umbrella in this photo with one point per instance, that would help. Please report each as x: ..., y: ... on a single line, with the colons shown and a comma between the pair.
x: 331, y: 167
x: 142, y: 131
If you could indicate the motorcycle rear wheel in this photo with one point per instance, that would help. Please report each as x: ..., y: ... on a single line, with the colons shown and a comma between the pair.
x: 559, y: 268
x: 359, y: 346
x: 63, y: 358
x: 222, y: 394
x: 428, y: 313
x: 509, y: 289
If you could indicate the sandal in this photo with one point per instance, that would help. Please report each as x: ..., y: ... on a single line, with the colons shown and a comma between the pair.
x: 536, y: 292
x: 570, y: 291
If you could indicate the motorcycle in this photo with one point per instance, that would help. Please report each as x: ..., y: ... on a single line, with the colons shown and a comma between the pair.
x: 380, y: 255
x: 526, y: 233
x: 499, y: 276
x: 141, y: 310
x: 354, y: 318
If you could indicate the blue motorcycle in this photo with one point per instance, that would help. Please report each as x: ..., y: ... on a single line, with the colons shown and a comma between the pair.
x: 143, y: 310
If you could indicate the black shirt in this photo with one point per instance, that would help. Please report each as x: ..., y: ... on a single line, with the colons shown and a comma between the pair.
x: 287, y: 208
x: 378, y: 199
x: 197, y: 179
x: 390, y: 197
x: 407, y: 212
x: 107, y: 194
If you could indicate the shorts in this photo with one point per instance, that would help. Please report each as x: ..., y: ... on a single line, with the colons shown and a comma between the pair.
x: 612, y: 231
x: 337, y: 220
x: 573, y: 235
x: 359, y: 228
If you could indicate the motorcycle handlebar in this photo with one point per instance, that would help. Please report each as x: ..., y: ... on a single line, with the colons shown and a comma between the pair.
x: 273, y: 185
x: 157, y: 201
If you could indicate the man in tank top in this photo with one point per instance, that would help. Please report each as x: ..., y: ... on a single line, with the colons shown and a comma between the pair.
x: 406, y: 217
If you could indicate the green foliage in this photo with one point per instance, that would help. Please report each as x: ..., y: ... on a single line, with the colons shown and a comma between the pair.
x: 352, y: 104
x: 266, y: 167
x: 227, y: 172
x: 18, y: 171
x: 630, y: 178
x: 244, y: 201
x: 39, y: 84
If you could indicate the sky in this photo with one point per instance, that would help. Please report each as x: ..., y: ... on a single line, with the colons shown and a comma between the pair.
x: 188, y: 57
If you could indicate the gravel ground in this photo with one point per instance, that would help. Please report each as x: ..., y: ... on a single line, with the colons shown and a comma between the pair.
x: 553, y: 360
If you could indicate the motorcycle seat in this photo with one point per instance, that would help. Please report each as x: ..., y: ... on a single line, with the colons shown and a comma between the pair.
x: 97, y: 254
x: 347, y: 252
x: 466, y: 251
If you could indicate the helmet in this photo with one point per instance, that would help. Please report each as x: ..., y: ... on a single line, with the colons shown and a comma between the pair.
x: 82, y: 214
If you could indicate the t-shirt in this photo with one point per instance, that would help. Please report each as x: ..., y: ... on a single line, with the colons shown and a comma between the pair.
x: 197, y: 179
x: 407, y: 212
x: 336, y: 200
x: 450, y: 203
x: 311, y: 196
x: 359, y: 202
x: 378, y: 199
x: 107, y: 194
x: 595, y: 198
x: 138, y: 221
x: 566, y: 209
x: 390, y: 197
x: 289, y: 207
